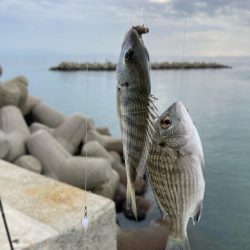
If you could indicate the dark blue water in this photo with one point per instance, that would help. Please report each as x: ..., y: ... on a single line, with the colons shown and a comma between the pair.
x: 219, y: 102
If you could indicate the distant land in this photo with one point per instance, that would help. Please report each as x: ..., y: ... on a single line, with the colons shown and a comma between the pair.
x: 109, y: 66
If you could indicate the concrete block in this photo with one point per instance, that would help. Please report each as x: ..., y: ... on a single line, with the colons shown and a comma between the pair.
x: 108, y: 189
x: 14, y: 92
x: 95, y: 149
x: 58, y: 163
x: 29, y: 162
x: 70, y: 133
x: 108, y: 142
x: 30, y: 103
x: 47, y: 115
x: 4, y: 145
x: 103, y: 130
x: 53, y: 211
x: 35, y: 126
x: 16, y: 130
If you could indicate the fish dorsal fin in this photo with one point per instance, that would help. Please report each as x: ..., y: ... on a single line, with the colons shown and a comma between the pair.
x: 149, y: 138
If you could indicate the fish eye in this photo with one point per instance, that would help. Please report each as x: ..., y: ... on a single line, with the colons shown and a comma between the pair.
x: 129, y: 54
x: 166, y: 122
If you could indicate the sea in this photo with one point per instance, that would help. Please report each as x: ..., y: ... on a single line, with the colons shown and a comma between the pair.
x: 219, y: 103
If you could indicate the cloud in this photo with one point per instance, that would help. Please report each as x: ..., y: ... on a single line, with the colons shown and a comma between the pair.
x: 212, y: 26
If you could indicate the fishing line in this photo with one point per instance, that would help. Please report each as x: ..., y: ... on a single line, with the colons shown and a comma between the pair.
x: 85, y: 221
x: 183, y: 54
x: 6, y: 225
x: 148, y: 46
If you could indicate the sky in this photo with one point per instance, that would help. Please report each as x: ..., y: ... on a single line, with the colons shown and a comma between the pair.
x: 177, y: 27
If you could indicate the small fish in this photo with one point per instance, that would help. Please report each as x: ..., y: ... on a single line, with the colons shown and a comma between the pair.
x: 135, y: 107
x: 176, y: 172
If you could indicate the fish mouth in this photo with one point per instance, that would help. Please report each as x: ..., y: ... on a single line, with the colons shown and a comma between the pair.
x: 132, y: 38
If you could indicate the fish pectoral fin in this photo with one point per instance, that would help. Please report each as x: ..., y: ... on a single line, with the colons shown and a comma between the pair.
x: 198, y: 213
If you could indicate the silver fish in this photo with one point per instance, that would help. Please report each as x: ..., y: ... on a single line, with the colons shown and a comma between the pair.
x: 135, y: 107
x: 176, y: 172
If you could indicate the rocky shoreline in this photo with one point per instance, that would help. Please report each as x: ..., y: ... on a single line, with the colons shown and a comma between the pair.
x: 109, y: 66
x: 43, y: 140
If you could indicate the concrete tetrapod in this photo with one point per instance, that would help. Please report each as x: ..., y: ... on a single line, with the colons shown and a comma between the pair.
x: 108, y: 189
x: 30, y: 103
x: 14, y: 92
x: 16, y: 130
x: 59, y: 164
x: 108, y: 142
x: 103, y: 130
x: 48, y: 116
x: 95, y: 149
x: 35, y: 126
x: 4, y: 145
x: 29, y: 162
x: 70, y: 133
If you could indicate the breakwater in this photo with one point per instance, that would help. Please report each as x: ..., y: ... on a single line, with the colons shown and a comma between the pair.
x: 109, y: 66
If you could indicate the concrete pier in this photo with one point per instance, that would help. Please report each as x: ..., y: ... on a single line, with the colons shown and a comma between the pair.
x: 45, y: 214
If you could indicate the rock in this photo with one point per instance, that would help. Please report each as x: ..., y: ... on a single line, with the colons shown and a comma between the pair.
x: 150, y: 238
x: 35, y: 126
x: 108, y: 189
x: 14, y: 92
x: 120, y: 197
x: 57, y: 162
x: 108, y: 142
x: 16, y: 130
x: 30, y: 103
x: 4, y: 145
x: 142, y: 206
x: 29, y: 162
x: 103, y: 130
x: 48, y: 116
x: 70, y: 133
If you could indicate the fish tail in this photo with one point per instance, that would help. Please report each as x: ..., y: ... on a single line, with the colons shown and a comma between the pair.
x: 177, y: 243
x: 131, y: 197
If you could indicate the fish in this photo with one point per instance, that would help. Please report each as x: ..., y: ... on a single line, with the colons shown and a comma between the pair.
x: 176, y: 170
x: 135, y: 107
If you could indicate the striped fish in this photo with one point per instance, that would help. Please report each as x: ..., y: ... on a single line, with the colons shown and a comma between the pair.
x: 176, y: 172
x: 135, y: 107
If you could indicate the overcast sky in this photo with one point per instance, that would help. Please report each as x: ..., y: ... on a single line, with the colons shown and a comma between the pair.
x: 213, y: 27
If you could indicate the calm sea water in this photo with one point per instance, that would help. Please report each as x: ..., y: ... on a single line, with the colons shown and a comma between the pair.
x: 219, y: 102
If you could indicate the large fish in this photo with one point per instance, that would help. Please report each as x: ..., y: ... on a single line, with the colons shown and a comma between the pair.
x: 176, y: 172
x: 134, y: 106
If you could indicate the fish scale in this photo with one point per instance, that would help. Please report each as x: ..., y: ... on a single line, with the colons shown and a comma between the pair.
x: 161, y: 173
